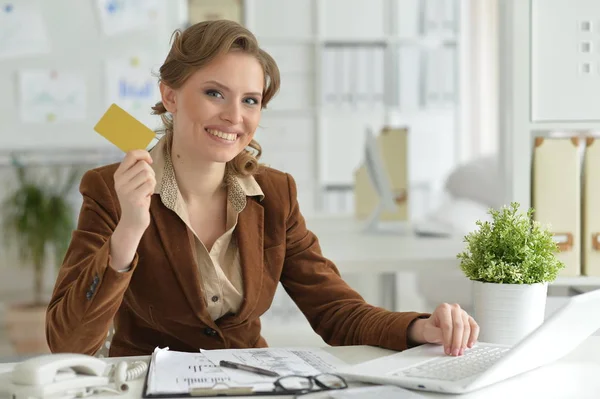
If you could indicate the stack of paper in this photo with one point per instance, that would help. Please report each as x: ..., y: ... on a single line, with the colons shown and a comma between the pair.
x: 173, y: 372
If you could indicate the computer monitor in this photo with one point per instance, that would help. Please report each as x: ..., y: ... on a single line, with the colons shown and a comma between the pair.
x: 380, y: 181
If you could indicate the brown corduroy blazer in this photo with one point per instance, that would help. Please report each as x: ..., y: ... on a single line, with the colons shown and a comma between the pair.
x: 159, y: 302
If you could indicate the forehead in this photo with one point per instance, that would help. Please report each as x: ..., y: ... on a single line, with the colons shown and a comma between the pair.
x: 237, y: 70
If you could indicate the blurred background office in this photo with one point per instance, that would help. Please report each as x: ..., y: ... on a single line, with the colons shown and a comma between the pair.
x: 423, y: 75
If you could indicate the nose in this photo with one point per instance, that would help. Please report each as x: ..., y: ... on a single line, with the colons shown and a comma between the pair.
x: 232, y: 112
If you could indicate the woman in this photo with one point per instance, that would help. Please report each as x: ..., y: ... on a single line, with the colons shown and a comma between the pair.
x: 184, y: 246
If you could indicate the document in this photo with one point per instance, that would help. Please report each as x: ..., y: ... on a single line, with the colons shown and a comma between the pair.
x: 283, y: 361
x: 173, y: 372
x: 129, y: 83
x: 22, y: 29
x: 47, y: 96
x: 121, y: 16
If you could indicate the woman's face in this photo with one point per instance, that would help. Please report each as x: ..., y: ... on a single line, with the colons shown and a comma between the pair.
x: 217, y: 110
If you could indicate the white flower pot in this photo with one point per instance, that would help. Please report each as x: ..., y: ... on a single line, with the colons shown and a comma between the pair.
x: 506, y: 313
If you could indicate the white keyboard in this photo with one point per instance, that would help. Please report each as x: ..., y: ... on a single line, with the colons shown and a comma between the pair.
x: 472, y: 362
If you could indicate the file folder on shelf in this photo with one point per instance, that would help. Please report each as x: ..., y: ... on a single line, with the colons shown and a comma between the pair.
x: 556, y: 196
x: 393, y: 143
x: 591, y: 216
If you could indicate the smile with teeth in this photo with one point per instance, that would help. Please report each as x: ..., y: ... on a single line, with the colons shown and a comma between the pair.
x: 225, y: 136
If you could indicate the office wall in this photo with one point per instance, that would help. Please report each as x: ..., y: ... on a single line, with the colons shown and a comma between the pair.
x: 77, y: 44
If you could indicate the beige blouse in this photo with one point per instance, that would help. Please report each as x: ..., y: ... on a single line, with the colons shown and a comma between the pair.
x: 220, y: 267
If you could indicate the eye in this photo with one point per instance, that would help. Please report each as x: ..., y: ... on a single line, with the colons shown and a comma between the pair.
x: 213, y: 93
x: 251, y: 101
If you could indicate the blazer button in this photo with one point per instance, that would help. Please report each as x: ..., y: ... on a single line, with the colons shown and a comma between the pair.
x: 210, y: 332
x: 215, y: 298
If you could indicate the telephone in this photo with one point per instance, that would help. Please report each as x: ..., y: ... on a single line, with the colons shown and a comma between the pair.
x: 71, y: 375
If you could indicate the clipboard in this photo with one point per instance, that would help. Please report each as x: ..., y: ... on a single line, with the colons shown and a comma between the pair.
x: 171, y: 373
x: 215, y: 391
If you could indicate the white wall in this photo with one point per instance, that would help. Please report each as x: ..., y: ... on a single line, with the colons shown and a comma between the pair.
x: 77, y: 45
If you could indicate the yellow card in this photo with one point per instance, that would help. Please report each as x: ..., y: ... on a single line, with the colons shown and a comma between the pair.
x: 123, y: 130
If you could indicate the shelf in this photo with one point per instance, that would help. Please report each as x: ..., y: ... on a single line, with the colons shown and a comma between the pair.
x: 349, y: 112
x: 580, y: 280
x: 375, y: 41
x: 285, y: 41
x: 424, y: 41
x: 279, y: 112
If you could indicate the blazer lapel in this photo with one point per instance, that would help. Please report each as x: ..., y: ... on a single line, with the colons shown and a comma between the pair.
x: 250, y: 237
x: 176, y: 244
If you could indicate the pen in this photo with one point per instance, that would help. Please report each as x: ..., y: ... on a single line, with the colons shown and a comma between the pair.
x: 245, y: 367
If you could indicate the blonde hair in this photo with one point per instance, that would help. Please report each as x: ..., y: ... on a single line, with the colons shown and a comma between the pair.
x: 197, y: 46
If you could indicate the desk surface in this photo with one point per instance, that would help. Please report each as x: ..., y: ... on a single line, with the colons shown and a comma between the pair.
x: 352, y: 250
x: 574, y: 376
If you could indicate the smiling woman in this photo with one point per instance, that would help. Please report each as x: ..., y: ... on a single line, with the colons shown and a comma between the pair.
x: 184, y: 246
x: 217, y: 70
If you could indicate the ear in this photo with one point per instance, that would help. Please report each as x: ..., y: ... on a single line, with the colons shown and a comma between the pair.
x: 169, y: 97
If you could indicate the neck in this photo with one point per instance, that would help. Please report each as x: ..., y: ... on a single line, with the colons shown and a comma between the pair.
x: 197, y: 179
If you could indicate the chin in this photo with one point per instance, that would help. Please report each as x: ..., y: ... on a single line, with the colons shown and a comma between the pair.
x: 222, y: 158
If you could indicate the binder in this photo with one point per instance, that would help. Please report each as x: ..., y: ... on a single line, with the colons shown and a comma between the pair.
x: 591, y: 216
x: 556, y: 196
x: 203, y: 10
x: 393, y: 143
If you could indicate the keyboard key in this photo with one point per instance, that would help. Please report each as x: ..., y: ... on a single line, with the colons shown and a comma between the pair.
x: 474, y: 361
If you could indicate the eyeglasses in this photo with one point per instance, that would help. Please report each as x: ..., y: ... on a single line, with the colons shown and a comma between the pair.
x: 303, y: 384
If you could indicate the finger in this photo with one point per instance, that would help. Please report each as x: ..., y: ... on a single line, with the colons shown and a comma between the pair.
x: 444, y: 315
x: 132, y: 157
x: 466, y: 332
x: 138, y: 180
x: 144, y: 191
x: 125, y: 176
x: 141, y: 167
x: 474, y: 332
x: 457, y: 329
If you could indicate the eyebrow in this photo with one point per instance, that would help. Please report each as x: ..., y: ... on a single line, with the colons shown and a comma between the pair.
x: 223, y: 87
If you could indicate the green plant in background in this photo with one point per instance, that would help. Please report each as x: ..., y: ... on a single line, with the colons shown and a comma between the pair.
x: 38, y: 220
x: 511, y: 249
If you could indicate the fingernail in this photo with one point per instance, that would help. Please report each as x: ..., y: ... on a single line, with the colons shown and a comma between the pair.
x: 447, y: 351
x: 462, y: 351
x: 455, y: 352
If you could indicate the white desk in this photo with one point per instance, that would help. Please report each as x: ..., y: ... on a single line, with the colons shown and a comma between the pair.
x: 574, y: 376
x: 352, y: 250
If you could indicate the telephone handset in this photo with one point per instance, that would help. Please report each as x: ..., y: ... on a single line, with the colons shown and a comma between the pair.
x: 71, y: 375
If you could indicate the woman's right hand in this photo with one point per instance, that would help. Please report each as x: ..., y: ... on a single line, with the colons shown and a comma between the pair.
x: 135, y: 183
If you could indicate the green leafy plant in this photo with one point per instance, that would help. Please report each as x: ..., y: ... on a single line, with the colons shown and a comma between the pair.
x: 38, y: 221
x: 511, y: 249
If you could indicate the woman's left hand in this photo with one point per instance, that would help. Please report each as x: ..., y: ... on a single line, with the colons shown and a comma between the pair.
x: 448, y: 325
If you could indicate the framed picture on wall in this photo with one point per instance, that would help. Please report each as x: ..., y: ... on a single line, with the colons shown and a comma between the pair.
x: 204, y: 10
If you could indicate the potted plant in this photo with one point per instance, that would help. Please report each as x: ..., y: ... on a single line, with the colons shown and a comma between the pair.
x: 37, y: 221
x: 510, y: 259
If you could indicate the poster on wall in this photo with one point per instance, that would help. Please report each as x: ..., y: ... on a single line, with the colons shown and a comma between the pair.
x: 49, y: 96
x: 207, y: 10
x: 22, y: 29
x: 132, y: 85
x: 120, y: 16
